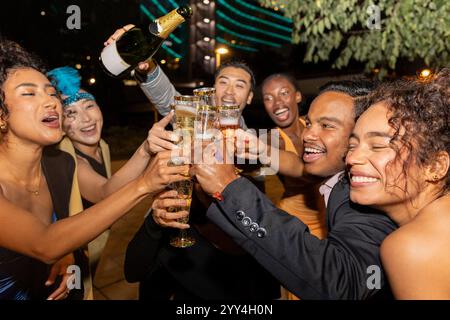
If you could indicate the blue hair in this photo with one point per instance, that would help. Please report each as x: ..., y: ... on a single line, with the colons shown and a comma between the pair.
x: 67, y: 81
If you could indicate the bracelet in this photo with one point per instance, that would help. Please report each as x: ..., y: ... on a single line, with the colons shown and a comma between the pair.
x: 218, y: 196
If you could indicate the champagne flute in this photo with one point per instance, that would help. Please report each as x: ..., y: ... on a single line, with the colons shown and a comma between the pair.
x: 229, y: 116
x: 185, y: 110
x: 184, y: 190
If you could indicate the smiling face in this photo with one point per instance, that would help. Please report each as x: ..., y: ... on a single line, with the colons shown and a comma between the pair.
x: 83, y: 122
x: 34, y: 108
x: 281, y: 101
x: 233, y: 87
x: 329, y: 123
x: 376, y: 173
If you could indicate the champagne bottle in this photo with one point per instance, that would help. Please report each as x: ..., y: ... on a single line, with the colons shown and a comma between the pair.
x: 123, y: 55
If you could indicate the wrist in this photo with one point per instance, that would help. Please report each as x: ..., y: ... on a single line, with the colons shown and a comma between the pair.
x: 143, y: 187
x: 224, y: 183
x: 144, y: 151
x: 142, y: 75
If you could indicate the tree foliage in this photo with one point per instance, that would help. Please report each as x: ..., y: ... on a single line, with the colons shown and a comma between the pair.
x: 411, y: 29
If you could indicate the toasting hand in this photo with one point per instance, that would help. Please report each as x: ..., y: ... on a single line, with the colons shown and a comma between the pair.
x: 162, y: 213
x: 212, y: 176
x: 159, y: 139
x: 144, y: 67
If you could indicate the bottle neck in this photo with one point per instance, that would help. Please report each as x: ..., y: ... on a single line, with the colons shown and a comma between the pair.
x: 166, y: 24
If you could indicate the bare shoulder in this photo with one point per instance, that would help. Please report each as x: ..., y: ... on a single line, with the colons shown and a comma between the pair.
x: 431, y: 225
x: 439, y: 208
x: 416, y: 256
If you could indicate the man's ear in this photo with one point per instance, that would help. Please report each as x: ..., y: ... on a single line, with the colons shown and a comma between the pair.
x: 250, y: 97
x: 438, y: 168
x: 298, y: 96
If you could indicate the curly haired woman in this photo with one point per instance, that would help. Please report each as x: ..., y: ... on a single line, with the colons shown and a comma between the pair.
x: 36, y: 181
x: 399, y: 159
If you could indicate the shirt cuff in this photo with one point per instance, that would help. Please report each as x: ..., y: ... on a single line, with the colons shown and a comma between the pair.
x: 145, y: 79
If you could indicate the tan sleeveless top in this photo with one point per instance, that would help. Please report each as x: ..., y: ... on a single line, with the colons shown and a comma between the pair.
x: 95, y: 247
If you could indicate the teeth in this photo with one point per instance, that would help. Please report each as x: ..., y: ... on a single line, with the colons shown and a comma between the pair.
x: 280, y: 111
x: 228, y: 101
x: 363, y: 179
x: 312, y: 150
x: 88, y: 128
x: 51, y: 118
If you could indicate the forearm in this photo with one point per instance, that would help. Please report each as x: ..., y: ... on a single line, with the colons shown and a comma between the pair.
x: 290, y: 164
x: 66, y: 235
x: 159, y: 90
x: 128, y: 172
x: 333, y: 268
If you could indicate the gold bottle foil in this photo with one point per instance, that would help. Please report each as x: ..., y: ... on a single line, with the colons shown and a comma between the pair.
x: 168, y: 23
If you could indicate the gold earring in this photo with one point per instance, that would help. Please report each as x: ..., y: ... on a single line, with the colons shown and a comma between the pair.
x: 435, y: 177
x: 3, y: 127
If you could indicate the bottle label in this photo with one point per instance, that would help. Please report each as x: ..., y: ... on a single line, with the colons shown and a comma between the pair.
x: 112, y: 60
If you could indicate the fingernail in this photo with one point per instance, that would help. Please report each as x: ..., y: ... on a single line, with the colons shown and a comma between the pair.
x: 49, y: 298
x: 48, y: 283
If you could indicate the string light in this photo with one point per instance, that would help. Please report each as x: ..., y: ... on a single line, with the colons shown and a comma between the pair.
x: 222, y: 50
x: 425, y: 73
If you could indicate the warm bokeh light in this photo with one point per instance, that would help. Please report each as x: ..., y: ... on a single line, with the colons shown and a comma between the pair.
x: 92, y: 81
x: 425, y: 73
x: 222, y: 50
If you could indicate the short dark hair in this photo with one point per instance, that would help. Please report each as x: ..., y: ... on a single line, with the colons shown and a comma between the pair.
x: 12, y: 57
x: 239, y: 65
x: 357, y: 87
x: 290, y: 78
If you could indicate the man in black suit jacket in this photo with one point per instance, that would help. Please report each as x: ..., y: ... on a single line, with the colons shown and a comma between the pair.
x: 337, y: 267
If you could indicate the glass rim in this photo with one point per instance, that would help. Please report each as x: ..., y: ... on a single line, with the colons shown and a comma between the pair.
x: 206, y: 107
x: 231, y: 107
x: 186, y: 98
x: 206, y: 91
